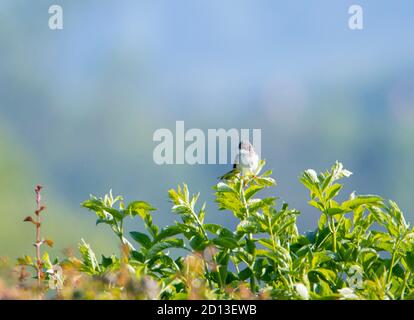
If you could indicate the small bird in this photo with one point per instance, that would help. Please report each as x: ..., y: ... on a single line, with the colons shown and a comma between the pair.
x: 246, y: 162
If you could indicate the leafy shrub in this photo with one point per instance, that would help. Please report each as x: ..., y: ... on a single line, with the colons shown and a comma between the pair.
x: 362, y: 247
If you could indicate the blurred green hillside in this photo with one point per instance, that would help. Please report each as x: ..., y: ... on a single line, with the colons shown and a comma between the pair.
x: 63, y: 223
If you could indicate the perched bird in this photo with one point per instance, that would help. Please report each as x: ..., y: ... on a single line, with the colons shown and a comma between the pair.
x: 246, y: 162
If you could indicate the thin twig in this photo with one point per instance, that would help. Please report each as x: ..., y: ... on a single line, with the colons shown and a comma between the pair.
x: 38, y: 243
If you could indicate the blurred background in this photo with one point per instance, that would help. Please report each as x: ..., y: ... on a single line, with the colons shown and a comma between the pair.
x: 79, y: 106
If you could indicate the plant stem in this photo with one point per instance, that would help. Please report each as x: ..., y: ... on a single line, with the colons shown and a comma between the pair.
x: 333, y: 234
x: 253, y: 282
x: 38, y: 235
x: 392, y: 264
x: 197, y: 220
x: 200, y: 225
x: 250, y: 235
x: 284, y: 280
x: 37, y: 244
x: 407, y: 276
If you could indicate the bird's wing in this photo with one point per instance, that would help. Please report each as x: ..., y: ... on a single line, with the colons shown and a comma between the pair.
x: 237, y: 158
x: 229, y: 175
x: 235, y: 171
x: 254, y: 164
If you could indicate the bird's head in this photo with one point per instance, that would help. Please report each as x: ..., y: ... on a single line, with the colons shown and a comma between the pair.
x: 246, y: 146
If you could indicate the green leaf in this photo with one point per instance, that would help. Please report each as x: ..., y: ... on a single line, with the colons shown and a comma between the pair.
x: 213, y: 228
x: 265, y: 181
x: 409, y: 259
x: 106, y: 262
x: 90, y: 262
x: 257, y: 204
x: 160, y: 246
x: 252, y: 190
x: 310, y: 180
x: 198, y: 243
x: 260, y: 167
x: 202, y: 213
x: 245, y: 274
x: 138, y: 256
x: 382, y: 241
x: 115, y: 213
x: 326, y: 274
x: 248, y: 226
x: 339, y: 172
x: 333, y: 190
x: 362, y: 200
x: 225, y: 242
x: 323, y: 220
x: 140, y: 208
x: 169, y: 231
x: 316, y: 204
x: 223, y: 187
x: 26, y: 261
x: 105, y: 214
x: 141, y: 238
x: 319, y: 258
x: 367, y: 256
x: 251, y: 246
x: 327, y: 181
x: 334, y: 211
x: 311, y: 176
x: 266, y: 243
x: 46, y: 261
x: 280, y: 255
